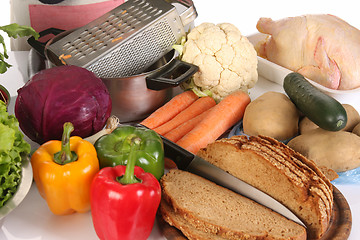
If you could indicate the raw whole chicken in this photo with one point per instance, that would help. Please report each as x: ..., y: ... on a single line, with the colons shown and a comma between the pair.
x: 324, y: 48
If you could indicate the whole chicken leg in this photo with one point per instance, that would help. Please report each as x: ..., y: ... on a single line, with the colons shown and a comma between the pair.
x: 323, y: 48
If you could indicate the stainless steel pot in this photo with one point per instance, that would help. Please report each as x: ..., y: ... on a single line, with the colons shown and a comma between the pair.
x: 133, y: 97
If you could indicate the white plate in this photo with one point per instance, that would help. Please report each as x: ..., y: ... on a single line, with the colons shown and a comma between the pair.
x: 277, y: 73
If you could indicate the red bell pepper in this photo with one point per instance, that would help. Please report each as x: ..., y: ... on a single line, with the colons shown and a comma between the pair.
x: 124, y: 200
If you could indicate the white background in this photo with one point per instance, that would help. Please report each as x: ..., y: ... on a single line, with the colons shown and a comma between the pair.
x: 5, y: 17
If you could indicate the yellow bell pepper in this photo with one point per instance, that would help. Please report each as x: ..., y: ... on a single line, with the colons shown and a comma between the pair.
x: 63, y: 172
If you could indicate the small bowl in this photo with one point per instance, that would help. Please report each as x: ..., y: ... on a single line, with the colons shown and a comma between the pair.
x: 22, y: 190
x: 4, y: 95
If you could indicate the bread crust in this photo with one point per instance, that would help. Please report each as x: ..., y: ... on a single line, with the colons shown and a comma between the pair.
x: 276, y: 169
x: 176, y: 220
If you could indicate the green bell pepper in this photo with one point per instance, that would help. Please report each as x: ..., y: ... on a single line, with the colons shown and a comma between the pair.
x: 113, y: 149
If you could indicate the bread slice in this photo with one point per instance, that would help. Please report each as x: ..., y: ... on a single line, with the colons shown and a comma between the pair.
x: 203, y: 210
x: 276, y: 169
x: 178, y: 221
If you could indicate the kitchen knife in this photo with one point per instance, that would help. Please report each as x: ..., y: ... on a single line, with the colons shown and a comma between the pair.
x: 187, y: 161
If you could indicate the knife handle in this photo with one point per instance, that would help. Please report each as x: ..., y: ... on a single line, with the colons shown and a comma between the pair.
x: 179, y: 155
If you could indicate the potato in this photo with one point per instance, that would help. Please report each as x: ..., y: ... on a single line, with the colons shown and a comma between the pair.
x: 306, y: 125
x: 356, y: 129
x: 272, y: 114
x: 339, y: 151
x: 353, y: 118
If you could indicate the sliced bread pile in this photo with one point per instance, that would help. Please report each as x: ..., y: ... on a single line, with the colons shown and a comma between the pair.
x: 279, y: 171
x: 203, y: 210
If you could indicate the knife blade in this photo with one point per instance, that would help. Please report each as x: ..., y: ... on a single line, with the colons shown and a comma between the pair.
x: 187, y: 161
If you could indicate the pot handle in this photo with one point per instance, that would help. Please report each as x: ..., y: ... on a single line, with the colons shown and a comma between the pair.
x: 38, y: 46
x: 172, y: 75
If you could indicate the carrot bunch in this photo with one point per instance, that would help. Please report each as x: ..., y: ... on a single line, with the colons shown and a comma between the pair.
x: 194, y: 122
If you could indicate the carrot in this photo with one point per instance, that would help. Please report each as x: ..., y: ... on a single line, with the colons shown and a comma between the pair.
x: 170, y: 109
x: 180, y: 131
x: 221, y: 117
x: 196, y: 108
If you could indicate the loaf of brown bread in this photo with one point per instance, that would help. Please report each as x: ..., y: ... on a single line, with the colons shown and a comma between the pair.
x: 279, y: 171
x: 203, y: 210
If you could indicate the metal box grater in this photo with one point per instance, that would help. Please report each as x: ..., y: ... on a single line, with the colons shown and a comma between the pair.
x: 126, y: 40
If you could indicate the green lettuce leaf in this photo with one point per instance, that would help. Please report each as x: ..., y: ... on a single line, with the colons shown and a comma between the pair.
x: 7, y: 138
x: 13, y: 148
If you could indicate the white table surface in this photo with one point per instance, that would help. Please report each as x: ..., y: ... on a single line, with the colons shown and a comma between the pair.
x: 33, y: 221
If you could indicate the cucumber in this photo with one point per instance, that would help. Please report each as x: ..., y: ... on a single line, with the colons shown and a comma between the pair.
x: 323, y: 110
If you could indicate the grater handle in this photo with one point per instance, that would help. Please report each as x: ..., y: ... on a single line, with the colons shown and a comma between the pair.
x: 172, y: 75
x: 38, y: 46
x: 188, y: 15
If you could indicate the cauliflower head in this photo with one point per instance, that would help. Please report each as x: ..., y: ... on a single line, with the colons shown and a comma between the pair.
x: 227, y: 61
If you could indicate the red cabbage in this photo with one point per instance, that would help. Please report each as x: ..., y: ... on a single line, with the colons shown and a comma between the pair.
x: 58, y: 95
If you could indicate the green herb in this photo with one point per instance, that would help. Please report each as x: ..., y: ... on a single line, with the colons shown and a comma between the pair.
x: 12, y: 150
x: 13, y: 30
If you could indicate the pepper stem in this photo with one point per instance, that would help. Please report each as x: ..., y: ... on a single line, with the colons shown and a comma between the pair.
x: 129, y: 177
x: 65, y: 155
